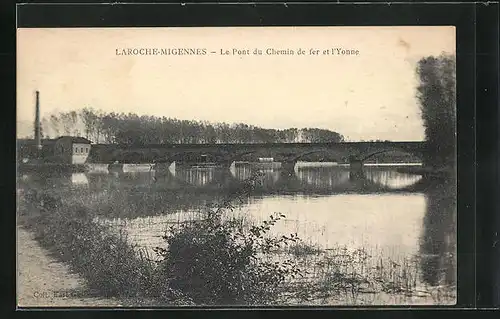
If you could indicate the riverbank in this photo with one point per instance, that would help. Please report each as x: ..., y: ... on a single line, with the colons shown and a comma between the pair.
x: 113, y: 266
x: 42, y: 281
x: 66, y: 260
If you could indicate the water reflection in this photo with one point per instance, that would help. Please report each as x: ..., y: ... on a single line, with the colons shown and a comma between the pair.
x: 197, y: 176
x: 117, y: 180
x: 346, y: 219
x: 79, y: 179
x: 321, y: 220
x: 323, y: 177
x: 241, y: 172
x: 310, y: 180
x: 269, y: 176
x: 54, y: 180
x: 389, y: 178
x: 438, y: 237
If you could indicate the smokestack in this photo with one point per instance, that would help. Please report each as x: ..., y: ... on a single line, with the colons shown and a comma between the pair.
x: 38, y: 138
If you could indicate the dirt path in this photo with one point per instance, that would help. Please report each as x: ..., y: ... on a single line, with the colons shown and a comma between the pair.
x: 44, y: 282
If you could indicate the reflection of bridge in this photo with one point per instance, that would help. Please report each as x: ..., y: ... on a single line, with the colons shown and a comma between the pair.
x: 353, y: 153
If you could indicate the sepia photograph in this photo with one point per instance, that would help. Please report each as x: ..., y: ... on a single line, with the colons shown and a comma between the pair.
x: 236, y: 166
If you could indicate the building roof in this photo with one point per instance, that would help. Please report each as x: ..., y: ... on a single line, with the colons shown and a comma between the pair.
x: 76, y: 139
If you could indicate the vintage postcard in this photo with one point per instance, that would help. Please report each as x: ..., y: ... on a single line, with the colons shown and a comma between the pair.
x: 236, y: 166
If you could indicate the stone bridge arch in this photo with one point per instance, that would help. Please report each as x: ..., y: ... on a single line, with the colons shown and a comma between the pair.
x: 364, y: 156
x: 239, y: 156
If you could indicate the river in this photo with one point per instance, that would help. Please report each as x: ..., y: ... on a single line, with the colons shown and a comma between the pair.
x: 387, y: 213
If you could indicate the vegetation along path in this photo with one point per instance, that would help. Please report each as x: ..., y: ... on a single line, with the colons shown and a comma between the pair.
x: 45, y: 282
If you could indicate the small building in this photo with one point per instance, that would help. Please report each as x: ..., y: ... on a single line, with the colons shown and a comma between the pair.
x: 72, y: 149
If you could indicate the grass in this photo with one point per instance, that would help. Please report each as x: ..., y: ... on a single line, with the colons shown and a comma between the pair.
x: 352, y: 276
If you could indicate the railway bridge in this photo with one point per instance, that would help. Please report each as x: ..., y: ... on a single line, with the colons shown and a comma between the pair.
x: 288, y: 154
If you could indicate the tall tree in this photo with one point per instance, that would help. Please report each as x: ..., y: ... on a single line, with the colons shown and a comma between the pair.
x: 437, y: 96
x: 74, y: 121
x: 89, y: 119
x: 67, y: 122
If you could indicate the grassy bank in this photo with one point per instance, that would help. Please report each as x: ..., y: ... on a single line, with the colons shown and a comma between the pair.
x: 109, y: 264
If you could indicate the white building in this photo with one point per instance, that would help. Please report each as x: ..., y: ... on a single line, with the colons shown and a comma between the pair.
x: 72, y: 149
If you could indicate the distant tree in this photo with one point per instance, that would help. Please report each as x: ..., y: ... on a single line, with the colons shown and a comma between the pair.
x: 74, y: 120
x: 437, y: 97
x: 55, y: 124
x: 291, y: 135
x: 67, y: 122
x: 210, y: 134
x: 44, y: 125
x: 99, y: 129
x: 109, y: 127
x: 90, y: 123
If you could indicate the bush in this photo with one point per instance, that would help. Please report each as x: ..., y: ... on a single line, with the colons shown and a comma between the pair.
x: 217, y: 261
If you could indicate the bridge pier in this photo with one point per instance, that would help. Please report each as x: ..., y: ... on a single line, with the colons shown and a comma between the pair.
x: 288, y: 168
x: 356, y: 169
x: 163, y: 168
x: 227, y: 164
x: 115, y: 167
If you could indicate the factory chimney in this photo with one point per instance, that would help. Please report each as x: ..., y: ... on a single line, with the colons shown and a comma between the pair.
x: 38, y: 138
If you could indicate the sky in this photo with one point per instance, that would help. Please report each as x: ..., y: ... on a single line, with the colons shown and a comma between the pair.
x: 368, y: 96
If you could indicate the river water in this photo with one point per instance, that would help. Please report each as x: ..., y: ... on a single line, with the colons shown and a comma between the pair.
x: 385, y: 212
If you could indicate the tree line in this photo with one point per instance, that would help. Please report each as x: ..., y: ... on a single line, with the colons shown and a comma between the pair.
x: 121, y: 128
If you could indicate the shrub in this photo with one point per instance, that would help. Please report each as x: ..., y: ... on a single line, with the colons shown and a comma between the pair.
x: 217, y: 261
